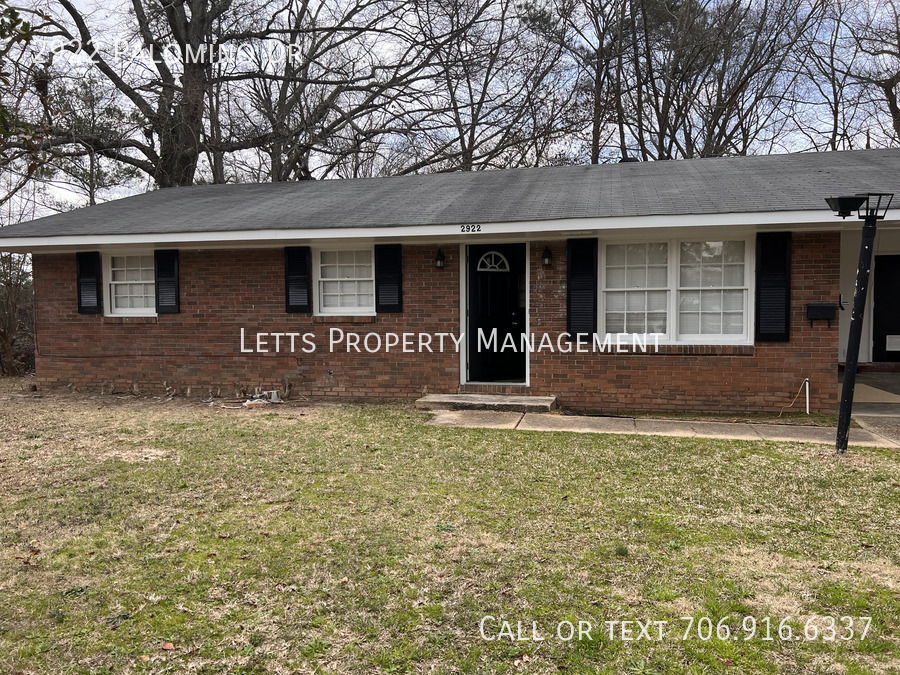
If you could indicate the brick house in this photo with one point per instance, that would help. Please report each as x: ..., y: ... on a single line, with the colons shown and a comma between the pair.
x: 230, y: 286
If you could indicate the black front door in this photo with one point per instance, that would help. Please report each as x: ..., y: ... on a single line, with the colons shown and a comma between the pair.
x: 496, y: 290
x: 886, y: 309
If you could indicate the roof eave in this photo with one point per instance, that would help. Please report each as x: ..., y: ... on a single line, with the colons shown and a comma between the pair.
x: 756, y: 221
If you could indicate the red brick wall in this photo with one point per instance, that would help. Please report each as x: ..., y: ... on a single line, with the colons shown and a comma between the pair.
x: 765, y: 376
x: 224, y: 291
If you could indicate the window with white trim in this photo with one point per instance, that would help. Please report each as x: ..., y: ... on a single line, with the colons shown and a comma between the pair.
x: 130, y: 284
x: 687, y: 291
x: 345, y: 282
x: 637, y: 295
x: 712, y: 289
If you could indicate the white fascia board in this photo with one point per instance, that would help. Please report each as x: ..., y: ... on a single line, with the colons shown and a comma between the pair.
x: 760, y: 221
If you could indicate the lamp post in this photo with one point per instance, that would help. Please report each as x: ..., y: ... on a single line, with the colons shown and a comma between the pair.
x: 871, y: 208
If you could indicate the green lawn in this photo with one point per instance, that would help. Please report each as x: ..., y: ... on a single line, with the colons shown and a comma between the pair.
x: 144, y: 536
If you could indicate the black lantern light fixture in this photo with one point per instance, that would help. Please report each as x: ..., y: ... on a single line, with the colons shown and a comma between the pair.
x: 439, y: 259
x: 870, y: 207
x: 547, y: 257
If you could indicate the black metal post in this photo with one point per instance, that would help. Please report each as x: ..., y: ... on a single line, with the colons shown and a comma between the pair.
x: 856, y: 323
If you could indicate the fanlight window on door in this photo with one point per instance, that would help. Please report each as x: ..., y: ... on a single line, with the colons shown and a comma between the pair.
x: 493, y: 261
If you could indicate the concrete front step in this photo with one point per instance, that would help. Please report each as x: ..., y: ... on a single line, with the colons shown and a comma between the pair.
x: 523, y: 404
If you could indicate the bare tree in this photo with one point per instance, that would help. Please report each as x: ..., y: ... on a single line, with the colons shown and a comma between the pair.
x: 828, y: 110
x: 16, y: 312
x: 710, y: 76
x: 496, y: 98
x: 875, y: 31
x: 595, y: 35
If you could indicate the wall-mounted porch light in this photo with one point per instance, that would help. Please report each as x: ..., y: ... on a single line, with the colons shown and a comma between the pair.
x: 547, y: 257
x: 870, y: 208
x: 439, y: 259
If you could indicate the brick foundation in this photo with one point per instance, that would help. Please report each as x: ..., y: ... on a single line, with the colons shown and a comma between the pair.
x: 223, y: 291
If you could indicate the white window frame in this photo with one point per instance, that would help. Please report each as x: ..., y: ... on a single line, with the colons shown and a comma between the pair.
x: 601, y: 274
x: 318, y: 310
x: 108, y: 309
x: 673, y: 335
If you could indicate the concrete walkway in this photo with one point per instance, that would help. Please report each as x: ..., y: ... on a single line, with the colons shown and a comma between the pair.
x: 654, y: 427
x: 876, y: 404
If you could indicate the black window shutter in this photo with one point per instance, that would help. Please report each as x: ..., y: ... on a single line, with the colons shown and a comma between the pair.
x: 298, y: 279
x: 388, y: 278
x: 581, y: 280
x: 90, y: 283
x: 773, y: 286
x: 167, y: 293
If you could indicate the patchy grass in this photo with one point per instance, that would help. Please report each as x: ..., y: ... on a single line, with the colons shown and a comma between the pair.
x: 142, y: 536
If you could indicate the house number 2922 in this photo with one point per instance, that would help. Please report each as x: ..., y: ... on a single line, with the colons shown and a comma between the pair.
x: 470, y: 228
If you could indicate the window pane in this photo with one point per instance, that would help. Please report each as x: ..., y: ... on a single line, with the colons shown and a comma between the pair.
x: 689, y: 301
x: 733, y: 300
x: 636, y: 277
x: 656, y: 322
x: 657, y: 300
x: 637, y: 254
x: 734, y: 251
x: 712, y: 252
x: 711, y: 275
x: 689, y: 323
x: 635, y: 323
x: 690, y: 276
x: 615, y: 322
x: 691, y: 252
x: 711, y: 301
x: 656, y: 277
x: 658, y: 254
x: 615, y: 255
x: 711, y: 324
x: 615, y: 278
x: 734, y: 275
x: 329, y: 257
x: 119, y: 297
x: 346, y: 257
x: 733, y: 323
x: 615, y: 302
x: 636, y: 302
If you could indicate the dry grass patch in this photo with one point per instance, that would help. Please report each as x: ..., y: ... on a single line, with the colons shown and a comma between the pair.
x: 357, y: 539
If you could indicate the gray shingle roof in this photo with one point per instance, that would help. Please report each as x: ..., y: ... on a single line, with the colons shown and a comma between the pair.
x: 795, y: 182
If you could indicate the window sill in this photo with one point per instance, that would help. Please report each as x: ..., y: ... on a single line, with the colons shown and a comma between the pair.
x: 342, y: 318
x: 130, y: 319
x: 703, y: 350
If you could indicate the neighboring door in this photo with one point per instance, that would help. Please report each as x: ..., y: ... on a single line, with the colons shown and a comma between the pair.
x: 886, y: 309
x: 496, y: 301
